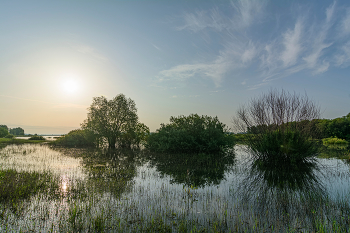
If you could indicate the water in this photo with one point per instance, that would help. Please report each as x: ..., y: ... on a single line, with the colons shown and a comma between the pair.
x: 135, y: 191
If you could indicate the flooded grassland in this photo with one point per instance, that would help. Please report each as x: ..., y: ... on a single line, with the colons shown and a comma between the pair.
x: 87, y: 190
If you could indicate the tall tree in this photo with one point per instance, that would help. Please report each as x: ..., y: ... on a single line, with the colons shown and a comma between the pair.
x: 111, y: 119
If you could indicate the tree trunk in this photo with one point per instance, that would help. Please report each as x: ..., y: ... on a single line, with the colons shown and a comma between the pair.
x: 111, y: 142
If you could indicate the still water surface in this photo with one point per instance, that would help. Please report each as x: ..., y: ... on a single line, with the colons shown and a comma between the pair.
x: 125, y: 189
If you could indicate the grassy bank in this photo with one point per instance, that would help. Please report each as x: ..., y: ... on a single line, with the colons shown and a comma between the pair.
x: 6, y: 141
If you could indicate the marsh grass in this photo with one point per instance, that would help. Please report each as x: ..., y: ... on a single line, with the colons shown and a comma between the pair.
x: 17, y: 185
x: 122, y: 191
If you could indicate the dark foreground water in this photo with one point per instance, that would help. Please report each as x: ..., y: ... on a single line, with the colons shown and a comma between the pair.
x: 135, y: 191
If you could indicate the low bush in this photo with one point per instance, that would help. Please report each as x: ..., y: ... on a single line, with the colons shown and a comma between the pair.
x: 77, y: 138
x: 334, y: 140
x: 36, y: 137
x: 190, y: 134
x: 9, y: 136
x: 284, y: 146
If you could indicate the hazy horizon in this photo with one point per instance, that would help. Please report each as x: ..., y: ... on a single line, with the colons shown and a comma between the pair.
x: 171, y: 57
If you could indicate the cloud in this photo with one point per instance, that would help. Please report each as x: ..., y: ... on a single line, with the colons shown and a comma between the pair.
x: 249, y: 53
x: 213, y: 70
x: 87, y: 50
x: 318, y: 39
x: 345, y: 23
x: 247, y: 11
x: 343, y: 58
x: 291, y: 41
x: 244, y: 14
x: 203, y: 19
x: 322, y: 68
x: 306, y: 46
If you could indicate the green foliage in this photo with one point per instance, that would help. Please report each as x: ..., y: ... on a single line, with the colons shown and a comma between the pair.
x: 36, y: 137
x: 338, y: 127
x: 115, y: 120
x: 284, y: 145
x: 17, y: 131
x: 334, y: 140
x: 134, y: 136
x: 190, y: 134
x: 4, y: 127
x: 78, y: 138
x: 3, y: 132
x: 10, y: 136
x: 17, y: 185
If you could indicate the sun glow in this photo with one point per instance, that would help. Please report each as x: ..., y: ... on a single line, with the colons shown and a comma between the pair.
x: 70, y: 83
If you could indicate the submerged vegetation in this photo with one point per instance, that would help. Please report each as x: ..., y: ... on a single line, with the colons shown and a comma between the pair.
x: 18, y: 185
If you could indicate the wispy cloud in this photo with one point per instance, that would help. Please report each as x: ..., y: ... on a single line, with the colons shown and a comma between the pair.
x: 247, y: 11
x: 89, y: 51
x: 291, y: 42
x: 301, y: 47
x: 203, y: 19
x: 343, y: 58
x: 319, y: 43
x: 345, y: 23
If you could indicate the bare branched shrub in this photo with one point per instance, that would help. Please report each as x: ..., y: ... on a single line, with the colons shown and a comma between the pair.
x: 278, y: 120
x: 275, y: 109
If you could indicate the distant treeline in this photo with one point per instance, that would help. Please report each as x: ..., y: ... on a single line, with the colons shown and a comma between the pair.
x: 320, y: 128
x: 4, y: 131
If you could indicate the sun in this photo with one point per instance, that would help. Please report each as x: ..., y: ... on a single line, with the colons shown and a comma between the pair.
x: 70, y: 83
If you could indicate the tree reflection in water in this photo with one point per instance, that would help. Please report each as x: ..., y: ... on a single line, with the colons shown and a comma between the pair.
x: 286, y: 191
x: 106, y: 171
x: 194, y: 170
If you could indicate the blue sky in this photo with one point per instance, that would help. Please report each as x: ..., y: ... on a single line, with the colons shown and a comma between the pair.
x: 171, y: 57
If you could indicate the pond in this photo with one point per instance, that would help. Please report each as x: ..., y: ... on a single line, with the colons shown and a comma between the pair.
x: 87, y: 190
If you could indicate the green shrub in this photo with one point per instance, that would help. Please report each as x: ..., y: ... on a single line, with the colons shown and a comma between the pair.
x: 190, y: 134
x: 280, y: 146
x: 3, y: 132
x: 334, y: 140
x: 9, y: 136
x: 36, y: 137
x: 77, y: 138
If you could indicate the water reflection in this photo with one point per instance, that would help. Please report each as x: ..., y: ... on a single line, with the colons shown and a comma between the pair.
x: 284, y: 191
x: 194, y: 170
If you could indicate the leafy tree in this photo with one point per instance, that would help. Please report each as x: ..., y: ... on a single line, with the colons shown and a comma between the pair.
x: 5, y: 127
x: 17, y: 131
x: 135, y: 135
x: 3, y: 132
x: 192, y: 134
x: 115, y: 120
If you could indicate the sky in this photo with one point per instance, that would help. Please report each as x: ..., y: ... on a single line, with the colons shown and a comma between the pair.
x: 171, y: 57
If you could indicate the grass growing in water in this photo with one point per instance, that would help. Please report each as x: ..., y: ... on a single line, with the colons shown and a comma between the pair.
x: 19, y: 185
